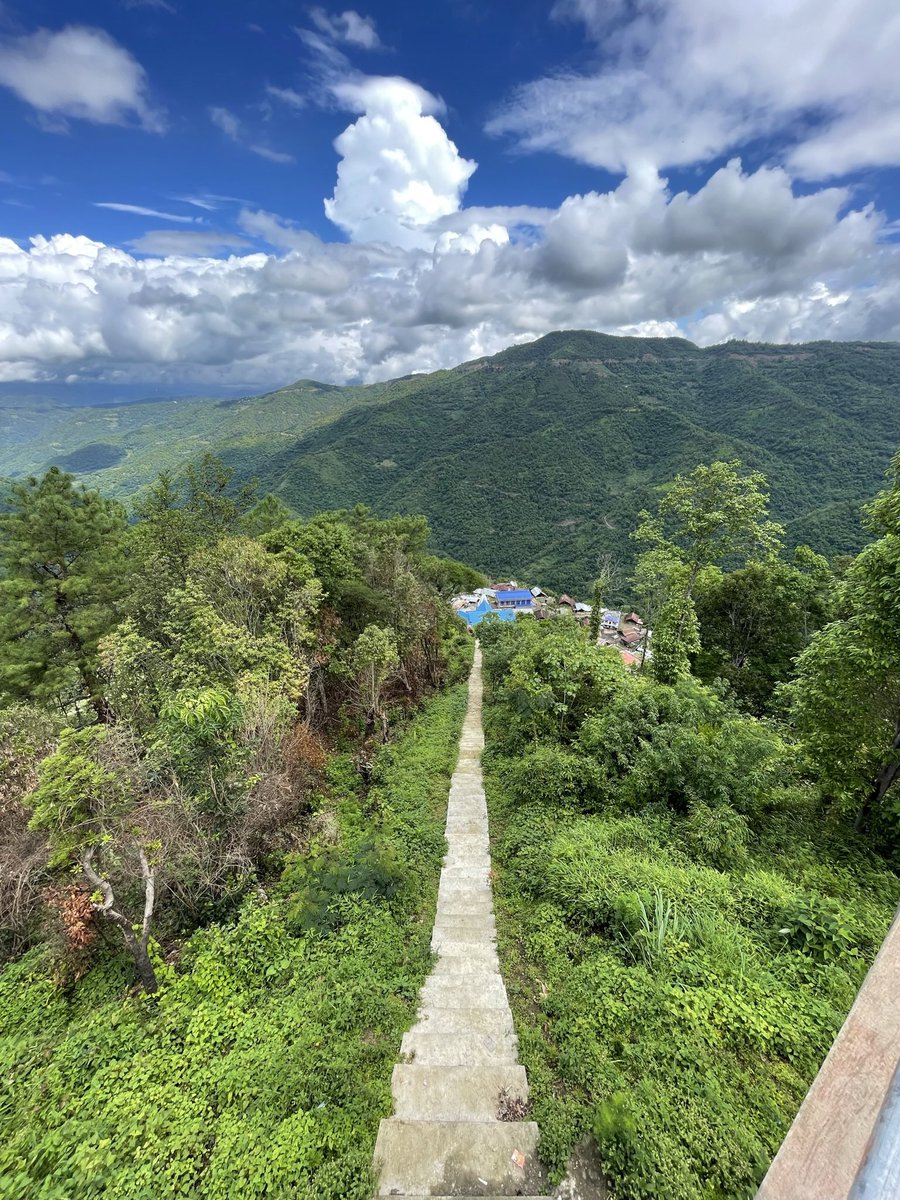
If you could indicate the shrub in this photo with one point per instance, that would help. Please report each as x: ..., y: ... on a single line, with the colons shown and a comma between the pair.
x: 548, y: 773
x: 818, y: 927
x: 717, y: 836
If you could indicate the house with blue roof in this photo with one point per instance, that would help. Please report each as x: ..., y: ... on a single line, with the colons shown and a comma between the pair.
x: 474, y: 616
x: 514, y: 598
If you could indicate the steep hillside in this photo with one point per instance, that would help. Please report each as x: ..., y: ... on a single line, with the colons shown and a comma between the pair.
x: 532, y: 461
x: 537, y: 459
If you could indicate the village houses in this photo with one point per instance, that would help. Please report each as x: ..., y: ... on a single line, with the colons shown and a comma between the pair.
x: 508, y: 600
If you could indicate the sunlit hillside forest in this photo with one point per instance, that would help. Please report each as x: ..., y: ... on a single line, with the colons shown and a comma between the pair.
x: 226, y: 737
x: 696, y: 862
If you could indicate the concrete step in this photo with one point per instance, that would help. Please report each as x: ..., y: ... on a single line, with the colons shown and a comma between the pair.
x: 465, y: 1020
x: 454, y: 888
x: 454, y: 1093
x: 457, y: 904
x: 472, y: 991
x: 476, y: 960
x: 462, y: 933
x: 467, y: 860
x: 458, y: 1158
x: 459, y: 1049
x: 464, y: 891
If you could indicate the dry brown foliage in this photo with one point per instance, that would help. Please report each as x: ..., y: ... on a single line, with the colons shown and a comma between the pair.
x: 73, y: 927
x: 304, y: 751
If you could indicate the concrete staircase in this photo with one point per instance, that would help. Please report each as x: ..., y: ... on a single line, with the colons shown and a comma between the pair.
x: 459, y: 1065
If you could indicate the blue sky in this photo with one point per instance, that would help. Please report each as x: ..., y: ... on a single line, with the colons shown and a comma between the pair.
x: 217, y: 195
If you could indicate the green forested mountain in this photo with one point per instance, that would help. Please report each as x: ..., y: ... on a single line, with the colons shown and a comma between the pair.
x: 538, y: 458
x: 535, y: 460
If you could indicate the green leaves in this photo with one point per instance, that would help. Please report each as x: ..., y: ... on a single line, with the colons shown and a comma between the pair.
x: 711, y: 515
x: 262, y: 1067
x: 64, y: 573
x: 76, y: 794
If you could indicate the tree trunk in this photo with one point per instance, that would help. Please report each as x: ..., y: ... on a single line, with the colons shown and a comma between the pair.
x: 145, y: 969
x: 884, y: 780
x: 137, y: 945
x: 88, y: 679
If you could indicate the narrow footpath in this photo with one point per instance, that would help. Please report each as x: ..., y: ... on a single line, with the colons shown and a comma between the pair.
x: 459, y: 1070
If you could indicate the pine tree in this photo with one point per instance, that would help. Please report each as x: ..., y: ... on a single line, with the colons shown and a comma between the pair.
x: 64, y: 570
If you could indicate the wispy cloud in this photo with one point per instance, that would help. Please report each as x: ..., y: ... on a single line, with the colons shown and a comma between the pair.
x: 210, y: 201
x: 277, y: 156
x: 186, y: 242
x: 140, y: 211
x: 688, y: 81
x: 162, y: 5
x: 347, y: 27
x: 233, y: 128
x: 287, y: 96
x: 225, y: 120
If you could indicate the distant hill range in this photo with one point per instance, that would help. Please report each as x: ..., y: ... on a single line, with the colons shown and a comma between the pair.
x: 533, y: 461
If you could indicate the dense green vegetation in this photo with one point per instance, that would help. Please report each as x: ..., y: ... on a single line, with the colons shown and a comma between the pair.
x: 261, y: 1067
x: 226, y: 737
x: 535, y: 461
x: 689, y: 894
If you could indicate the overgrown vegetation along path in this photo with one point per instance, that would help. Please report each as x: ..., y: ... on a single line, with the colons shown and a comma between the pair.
x: 458, y: 1089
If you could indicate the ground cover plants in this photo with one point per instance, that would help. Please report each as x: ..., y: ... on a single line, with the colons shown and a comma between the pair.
x: 262, y: 1065
x: 678, y: 960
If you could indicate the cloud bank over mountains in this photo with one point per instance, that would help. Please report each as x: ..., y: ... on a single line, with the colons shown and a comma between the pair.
x: 424, y: 282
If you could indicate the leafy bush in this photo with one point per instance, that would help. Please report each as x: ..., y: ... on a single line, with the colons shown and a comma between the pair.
x: 316, y: 882
x: 550, y: 773
x: 818, y: 926
x: 658, y: 1007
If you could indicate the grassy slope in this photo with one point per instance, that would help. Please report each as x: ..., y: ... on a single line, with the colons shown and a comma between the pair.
x: 120, y: 448
x: 263, y: 1066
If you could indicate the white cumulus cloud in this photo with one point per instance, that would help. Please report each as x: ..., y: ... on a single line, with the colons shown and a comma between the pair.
x: 676, y: 82
x: 78, y: 72
x: 399, y: 171
x: 425, y: 283
x: 741, y: 257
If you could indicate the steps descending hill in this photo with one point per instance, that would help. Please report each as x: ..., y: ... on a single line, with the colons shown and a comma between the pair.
x: 459, y: 1066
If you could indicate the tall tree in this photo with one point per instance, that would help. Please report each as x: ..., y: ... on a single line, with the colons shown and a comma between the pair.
x: 64, y: 571
x: 756, y: 620
x: 177, y: 516
x: 711, y: 516
x: 846, y: 697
